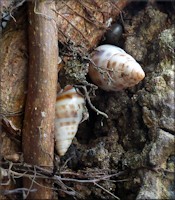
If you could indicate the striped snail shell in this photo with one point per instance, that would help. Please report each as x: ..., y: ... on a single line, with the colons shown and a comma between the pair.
x: 70, y: 109
x: 112, y: 69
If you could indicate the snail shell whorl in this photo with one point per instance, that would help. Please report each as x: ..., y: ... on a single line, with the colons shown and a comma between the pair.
x: 69, y: 113
x: 112, y: 69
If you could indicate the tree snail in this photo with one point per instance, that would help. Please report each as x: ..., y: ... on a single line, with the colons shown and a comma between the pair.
x: 112, y: 69
x: 70, y: 109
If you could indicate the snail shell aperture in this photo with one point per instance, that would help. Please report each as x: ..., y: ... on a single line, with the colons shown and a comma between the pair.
x: 112, y: 69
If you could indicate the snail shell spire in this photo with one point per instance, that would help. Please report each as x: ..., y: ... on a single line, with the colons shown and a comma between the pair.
x: 112, y: 69
x: 70, y: 106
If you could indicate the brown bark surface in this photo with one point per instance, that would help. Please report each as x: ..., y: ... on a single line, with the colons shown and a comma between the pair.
x: 83, y: 23
x: 38, y: 138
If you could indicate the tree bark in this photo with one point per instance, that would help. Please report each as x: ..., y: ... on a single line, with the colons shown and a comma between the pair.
x: 83, y: 23
x: 38, y: 137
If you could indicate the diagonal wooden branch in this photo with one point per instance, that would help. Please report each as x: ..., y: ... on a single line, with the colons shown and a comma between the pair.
x: 38, y: 138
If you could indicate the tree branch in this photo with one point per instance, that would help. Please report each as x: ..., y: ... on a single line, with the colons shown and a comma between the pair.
x: 38, y: 138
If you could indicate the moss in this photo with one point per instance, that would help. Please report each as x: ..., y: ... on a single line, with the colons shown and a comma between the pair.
x: 166, y: 40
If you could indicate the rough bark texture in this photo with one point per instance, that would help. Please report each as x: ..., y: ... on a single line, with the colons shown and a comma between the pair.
x: 83, y: 23
x: 13, y: 79
x: 38, y: 137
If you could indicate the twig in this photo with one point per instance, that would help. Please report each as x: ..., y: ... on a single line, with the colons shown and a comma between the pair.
x: 39, y: 172
x: 107, y: 191
x: 18, y: 5
x: 98, y: 24
x: 104, y: 71
x: 90, y: 11
x: 87, y: 41
x: 120, y: 12
x: 31, y: 185
x: 92, y: 180
x: 17, y: 190
x: 62, y: 167
x: 35, y: 173
x: 89, y: 101
x: 73, y: 193
x: 38, y: 140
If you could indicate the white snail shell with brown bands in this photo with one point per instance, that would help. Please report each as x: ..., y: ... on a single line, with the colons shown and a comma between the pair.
x: 70, y: 107
x: 112, y: 69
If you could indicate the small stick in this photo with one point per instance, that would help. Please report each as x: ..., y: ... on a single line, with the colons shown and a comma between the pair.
x: 89, y: 101
x: 107, y: 191
x: 38, y: 138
